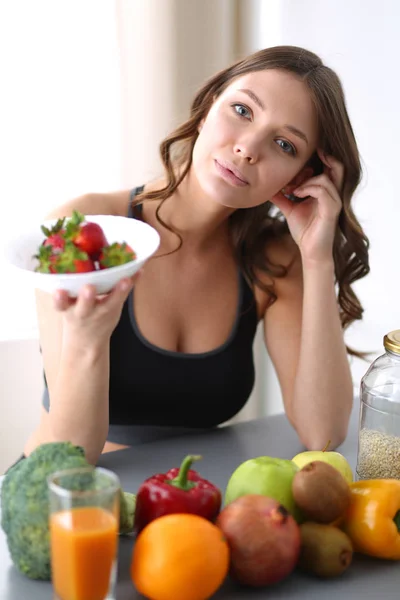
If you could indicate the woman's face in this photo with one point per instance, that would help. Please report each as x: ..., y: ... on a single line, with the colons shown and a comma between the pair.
x: 256, y: 138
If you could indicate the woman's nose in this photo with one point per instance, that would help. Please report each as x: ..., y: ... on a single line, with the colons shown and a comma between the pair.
x: 247, y: 149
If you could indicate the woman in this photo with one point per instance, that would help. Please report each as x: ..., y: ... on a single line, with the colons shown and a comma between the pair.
x: 255, y: 218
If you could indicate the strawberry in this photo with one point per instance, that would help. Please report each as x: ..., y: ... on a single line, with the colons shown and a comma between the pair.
x: 88, y: 237
x: 73, y: 260
x: 46, y: 259
x: 116, y: 254
x: 70, y: 260
x: 55, y: 236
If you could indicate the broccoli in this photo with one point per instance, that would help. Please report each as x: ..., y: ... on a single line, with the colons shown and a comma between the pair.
x: 25, y: 506
x: 127, y: 512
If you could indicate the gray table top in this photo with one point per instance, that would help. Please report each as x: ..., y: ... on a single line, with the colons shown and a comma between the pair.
x: 223, y: 450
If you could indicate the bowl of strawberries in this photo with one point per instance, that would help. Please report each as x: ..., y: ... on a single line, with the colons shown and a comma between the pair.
x: 69, y: 253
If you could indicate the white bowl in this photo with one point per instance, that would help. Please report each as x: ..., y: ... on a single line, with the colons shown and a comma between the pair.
x: 143, y: 239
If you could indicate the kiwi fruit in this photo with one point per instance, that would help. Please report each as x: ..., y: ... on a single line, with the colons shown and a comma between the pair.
x: 325, y: 551
x: 321, y: 492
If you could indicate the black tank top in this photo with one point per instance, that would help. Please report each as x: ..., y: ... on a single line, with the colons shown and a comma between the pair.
x: 155, y: 389
x: 152, y: 386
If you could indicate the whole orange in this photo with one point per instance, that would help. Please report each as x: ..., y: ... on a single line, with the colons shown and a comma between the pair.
x: 179, y: 557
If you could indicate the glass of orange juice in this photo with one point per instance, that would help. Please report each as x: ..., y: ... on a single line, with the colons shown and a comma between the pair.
x: 84, y: 525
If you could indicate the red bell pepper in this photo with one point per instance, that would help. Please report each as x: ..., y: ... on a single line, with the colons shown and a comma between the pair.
x: 177, y: 491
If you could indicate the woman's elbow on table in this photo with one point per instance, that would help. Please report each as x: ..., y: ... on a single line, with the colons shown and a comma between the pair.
x: 323, y: 438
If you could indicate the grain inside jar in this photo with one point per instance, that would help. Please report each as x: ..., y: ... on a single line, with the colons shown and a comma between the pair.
x: 378, y: 455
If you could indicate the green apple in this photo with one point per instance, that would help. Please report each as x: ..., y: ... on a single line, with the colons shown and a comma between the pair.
x: 335, y: 459
x: 266, y: 476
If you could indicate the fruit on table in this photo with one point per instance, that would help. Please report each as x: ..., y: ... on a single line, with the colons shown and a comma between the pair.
x: 267, y: 476
x: 25, y: 506
x: 335, y: 459
x: 180, y: 490
x: 325, y: 550
x: 264, y: 539
x: 321, y: 492
x: 372, y: 520
x: 179, y: 557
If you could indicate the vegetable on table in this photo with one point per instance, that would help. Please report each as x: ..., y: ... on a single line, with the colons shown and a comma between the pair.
x: 127, y: 512
x: 180, y: 490
x: 372, y: 520
x: 25, y: 506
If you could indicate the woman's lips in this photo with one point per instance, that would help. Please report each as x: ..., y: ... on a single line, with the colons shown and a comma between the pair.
x: 227, y: 173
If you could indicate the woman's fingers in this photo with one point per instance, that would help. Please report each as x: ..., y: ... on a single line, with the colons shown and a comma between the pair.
x: 315, y: 185
x: 282, y: 203
x: 334, y: 168
x: 61, y: 300
x: 86, y: 301
x: 119, y: 294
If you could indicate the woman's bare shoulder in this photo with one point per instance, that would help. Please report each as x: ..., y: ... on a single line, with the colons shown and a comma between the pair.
x: 110, y: 203
x: 283, y: 253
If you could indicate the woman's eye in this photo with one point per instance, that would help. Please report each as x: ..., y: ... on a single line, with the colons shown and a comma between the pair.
x: 286, y: 147
x: 242, y: 110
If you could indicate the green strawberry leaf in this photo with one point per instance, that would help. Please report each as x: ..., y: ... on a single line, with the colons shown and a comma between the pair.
x: 44, y: 257
x: 54, y: 229
x: 73, y: 225
x: 65, y: 262
x: 116, y: 254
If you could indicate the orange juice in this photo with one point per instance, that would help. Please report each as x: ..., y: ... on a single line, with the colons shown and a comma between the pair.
x: 83, y: 551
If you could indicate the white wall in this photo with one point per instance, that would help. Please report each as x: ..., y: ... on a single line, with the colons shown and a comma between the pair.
x: 91, y: 90
x: 21, y: 387
x: 42, y: 166
x: 59, y: 121
x: 358, y: 39
x: 60, y: 124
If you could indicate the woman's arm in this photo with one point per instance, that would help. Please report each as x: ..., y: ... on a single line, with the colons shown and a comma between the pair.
x: 77, y: 379
x: 304, y: 339
x: 303, y: 329
x: 74, y: 338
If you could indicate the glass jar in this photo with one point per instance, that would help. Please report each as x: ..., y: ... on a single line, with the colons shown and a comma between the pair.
x: 378, y: 455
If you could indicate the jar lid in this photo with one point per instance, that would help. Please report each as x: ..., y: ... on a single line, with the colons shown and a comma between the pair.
x: 391, y: 341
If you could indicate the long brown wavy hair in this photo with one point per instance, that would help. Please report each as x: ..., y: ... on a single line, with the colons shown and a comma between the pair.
x: 251, y: 228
